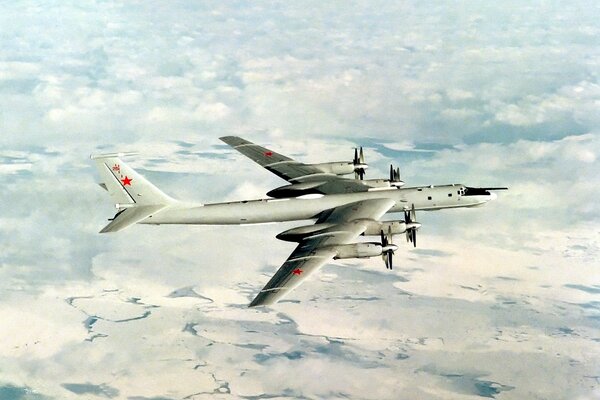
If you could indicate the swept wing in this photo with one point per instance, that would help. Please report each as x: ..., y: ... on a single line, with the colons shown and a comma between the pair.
x: 294, y: 171
x: 344, y: 225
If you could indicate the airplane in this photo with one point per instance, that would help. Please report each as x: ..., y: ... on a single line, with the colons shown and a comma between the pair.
x: 342, y: 208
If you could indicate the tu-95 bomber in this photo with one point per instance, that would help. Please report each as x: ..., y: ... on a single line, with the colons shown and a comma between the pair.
x: 335, y: 195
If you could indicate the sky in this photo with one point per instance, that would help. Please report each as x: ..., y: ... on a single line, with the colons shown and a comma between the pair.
x: 501, y: 301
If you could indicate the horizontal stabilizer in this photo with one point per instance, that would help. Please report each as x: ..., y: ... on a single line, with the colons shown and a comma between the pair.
x: 130, y: 216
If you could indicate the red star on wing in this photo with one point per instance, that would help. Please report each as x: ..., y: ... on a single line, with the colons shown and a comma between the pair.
x: 268, y: 153
x: 297, y: 271
x: 126, y: 181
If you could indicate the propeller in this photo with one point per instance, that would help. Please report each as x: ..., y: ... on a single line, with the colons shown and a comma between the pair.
x: 387, y: 248
x: 359, y: 163
x: 410, y: 217
x: 395, y: 176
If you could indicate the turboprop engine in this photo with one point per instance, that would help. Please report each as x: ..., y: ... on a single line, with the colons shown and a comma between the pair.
x: 363, y: 250
x: 393, y: 181
x: 336, y: 168
x: 391, y: 227
x: 408, y: 226
x: 356, y: 166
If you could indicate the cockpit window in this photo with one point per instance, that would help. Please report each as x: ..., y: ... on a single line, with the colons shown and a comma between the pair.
x: 469, y: 191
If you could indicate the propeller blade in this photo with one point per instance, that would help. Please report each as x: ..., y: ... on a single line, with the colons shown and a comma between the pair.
x: 391, y: 173
x: 383, y: 240
x: 387, y: 257
x: 398, y: 174
x: 359, y: 163
x: 413, y: 214
x: 414, y: 237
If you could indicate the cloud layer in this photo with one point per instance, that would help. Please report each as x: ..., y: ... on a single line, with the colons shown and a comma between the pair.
x: 498, y: 302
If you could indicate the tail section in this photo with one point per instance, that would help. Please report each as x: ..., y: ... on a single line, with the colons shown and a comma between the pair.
x: 134, y: 196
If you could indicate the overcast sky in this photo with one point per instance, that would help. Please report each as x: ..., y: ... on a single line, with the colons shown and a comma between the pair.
x: 501, y: 301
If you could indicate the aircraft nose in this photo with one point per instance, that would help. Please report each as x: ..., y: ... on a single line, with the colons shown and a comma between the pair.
x: 493, y: 196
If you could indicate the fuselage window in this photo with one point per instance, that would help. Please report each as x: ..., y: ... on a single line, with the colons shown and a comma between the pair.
x: 428, y: 197
x: 449, y: 194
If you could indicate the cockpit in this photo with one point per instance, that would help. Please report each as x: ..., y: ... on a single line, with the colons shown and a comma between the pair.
x: 470, y: 191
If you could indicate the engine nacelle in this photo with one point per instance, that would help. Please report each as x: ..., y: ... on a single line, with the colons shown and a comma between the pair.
x: 382, y: 183
x: 358, y: 250
x: 374, y: 228
x: 336, y: 168
x: 377, y: 183
x: 295, y: 190
x: 298, y: 233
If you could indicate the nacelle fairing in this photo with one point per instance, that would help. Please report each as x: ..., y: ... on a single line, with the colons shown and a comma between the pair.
x: 299, y: 233
x: 374, y: 228
x: 337, y: 167
x: 377, y: 183
x: 295, y: 189
x: 358, y: 250
x: 382, y: 183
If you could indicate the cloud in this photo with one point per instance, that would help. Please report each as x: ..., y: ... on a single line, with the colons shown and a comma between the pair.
x: 17, y: 70
x: 485, y: 94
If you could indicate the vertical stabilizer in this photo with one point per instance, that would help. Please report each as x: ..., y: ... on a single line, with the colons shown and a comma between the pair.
x: 135, y: 197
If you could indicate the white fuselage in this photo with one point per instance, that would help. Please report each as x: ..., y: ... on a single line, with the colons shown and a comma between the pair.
x: 309, y: 207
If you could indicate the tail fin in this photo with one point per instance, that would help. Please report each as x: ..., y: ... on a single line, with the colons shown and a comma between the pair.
x: 134, y: 196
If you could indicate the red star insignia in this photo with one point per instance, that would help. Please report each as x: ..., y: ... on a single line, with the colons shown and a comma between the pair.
x: 297, y: 271
x: 268, y: 153
x: 126, y: 181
